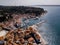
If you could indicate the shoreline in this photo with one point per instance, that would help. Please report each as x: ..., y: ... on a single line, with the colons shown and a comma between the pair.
x: 13, y: 22
x: 8, y: 11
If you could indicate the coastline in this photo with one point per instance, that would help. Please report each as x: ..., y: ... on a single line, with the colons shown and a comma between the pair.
x: 14, y: 22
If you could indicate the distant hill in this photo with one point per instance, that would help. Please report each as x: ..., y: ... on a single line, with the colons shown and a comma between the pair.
x: 20, y: 9
x: 9, y: 10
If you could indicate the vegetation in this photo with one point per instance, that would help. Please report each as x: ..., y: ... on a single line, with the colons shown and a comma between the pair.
x: 9, y: 10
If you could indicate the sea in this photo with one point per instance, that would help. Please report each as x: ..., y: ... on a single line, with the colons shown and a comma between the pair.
x: 50, y: 30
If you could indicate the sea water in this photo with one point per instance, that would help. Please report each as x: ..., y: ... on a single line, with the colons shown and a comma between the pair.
x: 50, y: 30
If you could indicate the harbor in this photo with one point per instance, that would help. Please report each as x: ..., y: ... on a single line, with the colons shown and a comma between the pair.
x: 21, y: 26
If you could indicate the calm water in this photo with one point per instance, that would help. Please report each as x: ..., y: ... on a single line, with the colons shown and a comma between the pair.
x: 51, y: 29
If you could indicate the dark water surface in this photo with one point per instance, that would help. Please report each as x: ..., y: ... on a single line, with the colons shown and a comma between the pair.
x: 51, y: 29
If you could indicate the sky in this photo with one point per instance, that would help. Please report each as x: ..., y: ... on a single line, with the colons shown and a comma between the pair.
x: 29, y: 2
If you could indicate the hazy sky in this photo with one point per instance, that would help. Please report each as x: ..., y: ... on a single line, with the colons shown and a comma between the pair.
x: 29, y: 2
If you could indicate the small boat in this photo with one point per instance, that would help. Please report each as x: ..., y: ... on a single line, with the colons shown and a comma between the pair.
x: 36, y: 18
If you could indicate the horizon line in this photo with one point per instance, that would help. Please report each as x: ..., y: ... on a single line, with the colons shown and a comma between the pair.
x: 29, y: 5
